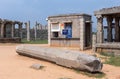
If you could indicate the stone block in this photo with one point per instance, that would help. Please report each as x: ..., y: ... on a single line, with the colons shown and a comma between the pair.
x: 67, y: 58
x: 37, y: 66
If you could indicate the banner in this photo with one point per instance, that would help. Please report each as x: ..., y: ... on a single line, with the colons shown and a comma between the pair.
x: 61, y: 27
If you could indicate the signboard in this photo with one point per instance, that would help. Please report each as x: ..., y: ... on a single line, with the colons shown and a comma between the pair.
x: 55, y: 27
x: 64, y: 31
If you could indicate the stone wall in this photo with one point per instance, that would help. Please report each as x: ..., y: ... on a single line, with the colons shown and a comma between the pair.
x: 63, y: 42
x: 108, y: 48
x: 10, y: 40
x: 42, y: 34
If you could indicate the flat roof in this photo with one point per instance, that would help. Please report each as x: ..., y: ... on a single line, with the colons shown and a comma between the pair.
x: 6, y: 20
x: 72, y: 14
x: 104, y: 11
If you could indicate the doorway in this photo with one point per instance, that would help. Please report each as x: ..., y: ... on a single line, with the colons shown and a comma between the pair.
x: 68, y: 27
x: 87, y: 34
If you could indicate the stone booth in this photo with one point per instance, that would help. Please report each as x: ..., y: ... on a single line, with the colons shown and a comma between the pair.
x: 108, y: 36
x: 70, y: 30
x: 7, y: 31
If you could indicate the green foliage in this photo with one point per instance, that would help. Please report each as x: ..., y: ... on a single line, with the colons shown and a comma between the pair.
x: 111, y: 59
x: 89, y: 74
x: 115, y: 60
x: 109, y: 54
x: 34, y: 41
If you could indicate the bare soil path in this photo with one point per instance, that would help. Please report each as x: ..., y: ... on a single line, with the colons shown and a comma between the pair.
x: 14, y: 66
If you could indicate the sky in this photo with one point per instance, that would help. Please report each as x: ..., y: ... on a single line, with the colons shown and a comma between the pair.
x: 39, y: 10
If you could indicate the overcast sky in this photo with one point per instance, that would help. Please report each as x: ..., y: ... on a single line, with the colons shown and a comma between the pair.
x: 39, y: 10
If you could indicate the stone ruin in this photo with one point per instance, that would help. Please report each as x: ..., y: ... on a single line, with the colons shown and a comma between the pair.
x: 7, y: 31
x: 112, y: 31
x: 10, y: 34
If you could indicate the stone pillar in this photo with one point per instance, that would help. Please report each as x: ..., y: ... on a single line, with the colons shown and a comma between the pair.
x: 91, y: 34
x: 12, y: 30
x: 117, y: 29
x: 94, y: 42
x: 109, y: 30
x: 2, y: 30
x: 49, y: 32
x: 35, y: 29
x: 28, y: 30
x: 20, y: 30
x: 82, y: 33
x: 100, y: 31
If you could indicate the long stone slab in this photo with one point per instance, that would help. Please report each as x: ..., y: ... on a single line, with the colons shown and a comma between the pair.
x: 110, y: 45
x: 67, y: 58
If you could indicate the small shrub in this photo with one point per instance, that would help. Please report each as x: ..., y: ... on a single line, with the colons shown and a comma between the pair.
x: 35, y: 41
x: 89, y: 74
x: 112, y: 59
x: 110, y: 54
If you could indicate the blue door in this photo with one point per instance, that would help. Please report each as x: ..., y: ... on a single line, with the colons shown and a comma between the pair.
x: 69, y: 34
x: 68, y: 27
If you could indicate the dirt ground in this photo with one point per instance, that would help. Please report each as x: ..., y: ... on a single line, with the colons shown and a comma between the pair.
x: 14, y: 66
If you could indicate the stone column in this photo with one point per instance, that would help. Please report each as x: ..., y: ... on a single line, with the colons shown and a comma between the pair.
x: 117, y: 29
x: 20, y: 30
x: 49, y: 32
x: 35, y: 30
x: 109, y: 30
x: 2, y: 30
x: 91, y: 34
x: 12, y: 30
x: 28, y: 30
x: 82, y: 33
x: 94, y: 42
x: 100, y: 31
